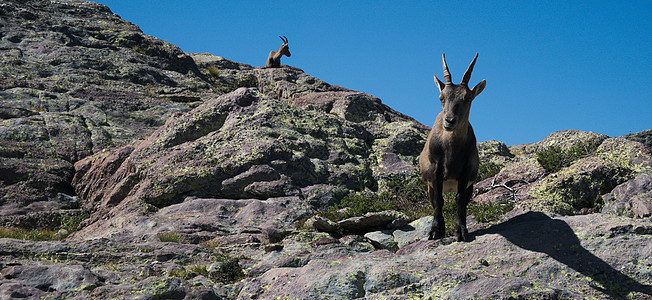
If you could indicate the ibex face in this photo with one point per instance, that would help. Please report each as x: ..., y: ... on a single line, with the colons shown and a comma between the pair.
x: 456, y: 98
x: 285, y: 48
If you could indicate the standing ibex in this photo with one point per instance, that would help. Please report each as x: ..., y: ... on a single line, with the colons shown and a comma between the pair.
x: 274, y: 58
x: 449, y: 160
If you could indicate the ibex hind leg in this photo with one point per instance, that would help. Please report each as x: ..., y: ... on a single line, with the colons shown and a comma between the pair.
x: 438, y: 228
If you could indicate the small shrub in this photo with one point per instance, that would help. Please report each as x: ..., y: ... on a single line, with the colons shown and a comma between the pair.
x: 179, y: 273
x: 198, y: 269
x: 170, y: 237
x: 488, y: 170
x: 228, y: 272
x: 411, y: 198
x: 213, y: 71
x: 359, y: 204
x: 72, y: 224
x: 450, y: 213
x: 554, y: 158
x: 489, y: 212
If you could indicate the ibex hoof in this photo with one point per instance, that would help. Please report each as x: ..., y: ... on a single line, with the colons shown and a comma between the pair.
x: 462, y: 235
x: 435, y: 235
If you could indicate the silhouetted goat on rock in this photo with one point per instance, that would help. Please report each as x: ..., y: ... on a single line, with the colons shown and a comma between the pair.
x: 274, y: 58
x: 449, y: 160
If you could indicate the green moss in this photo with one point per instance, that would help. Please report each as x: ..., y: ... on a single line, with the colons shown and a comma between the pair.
x: 59, y: 227
x: 29, y: 234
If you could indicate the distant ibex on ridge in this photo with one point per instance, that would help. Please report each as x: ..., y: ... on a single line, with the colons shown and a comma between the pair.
x: 449, y: 160
x: 274, y: 58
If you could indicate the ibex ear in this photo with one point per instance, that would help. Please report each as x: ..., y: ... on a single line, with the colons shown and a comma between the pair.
x: 479, y: 88
x: 440, y: 85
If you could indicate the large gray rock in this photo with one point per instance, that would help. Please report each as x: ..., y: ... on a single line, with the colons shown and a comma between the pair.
x: 373, y: 221
x: 579, y: 187
x: 529, y: 256
x: 76, y: 79
x: 240, y: 145
x: 631, y: 199
x: 50, y: 278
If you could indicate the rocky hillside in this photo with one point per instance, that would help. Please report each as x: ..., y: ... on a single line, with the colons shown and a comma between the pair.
x: 196, y: 177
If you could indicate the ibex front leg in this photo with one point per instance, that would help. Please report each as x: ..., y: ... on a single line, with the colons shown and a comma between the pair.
x: 462, y: 199
x: 438, y: 229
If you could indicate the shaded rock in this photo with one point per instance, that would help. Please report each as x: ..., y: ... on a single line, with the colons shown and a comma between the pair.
x: 644, y: 137
x: 321, y: 196
x: 374, y: 221
x: 37, y: 155
x: 382, y: 239
x: 357, y: 243
x: 47, y: 214
x: 415, y: 231
x: 273, y: 247
x: 16, y: 290
x: 631, y: 199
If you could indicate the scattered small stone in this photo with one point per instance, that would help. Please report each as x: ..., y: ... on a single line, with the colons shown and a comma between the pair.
x: 273, y: 247
x: 483, y: 262
x: 322, y: 224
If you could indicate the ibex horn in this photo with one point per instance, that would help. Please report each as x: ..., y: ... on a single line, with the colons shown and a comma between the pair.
x: 469, y: 70
x: 447, y: 74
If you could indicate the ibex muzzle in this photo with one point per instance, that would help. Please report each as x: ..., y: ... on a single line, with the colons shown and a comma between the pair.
x: 449, y: 160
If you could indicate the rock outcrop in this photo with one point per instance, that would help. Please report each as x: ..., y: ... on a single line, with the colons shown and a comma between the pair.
x: 76, y: 79
x: 243, y: 145
x: 196, y: 174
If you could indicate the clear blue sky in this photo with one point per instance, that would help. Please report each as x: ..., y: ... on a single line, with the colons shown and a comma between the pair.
x: 549, y: 65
